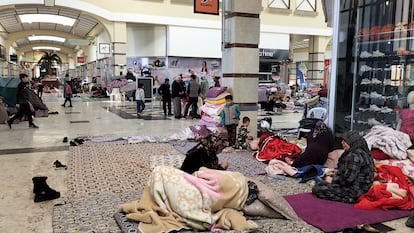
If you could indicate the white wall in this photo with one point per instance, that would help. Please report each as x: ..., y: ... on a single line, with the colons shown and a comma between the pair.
x: 197, y: 42
x: 269, y: 40
x: 146, y: 41
x: 102, y: 38
x: 194, y: 42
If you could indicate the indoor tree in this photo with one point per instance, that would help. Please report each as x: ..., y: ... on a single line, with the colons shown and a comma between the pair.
x: 47, y: 61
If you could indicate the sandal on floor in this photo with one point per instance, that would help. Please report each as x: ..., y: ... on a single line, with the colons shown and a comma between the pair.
x: 58, y: 165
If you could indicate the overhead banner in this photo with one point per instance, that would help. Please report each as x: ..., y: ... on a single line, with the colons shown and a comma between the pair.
x: 206, y: 7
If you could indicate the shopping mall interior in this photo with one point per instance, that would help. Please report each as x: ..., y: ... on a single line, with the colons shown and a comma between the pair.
x: 337, y: 60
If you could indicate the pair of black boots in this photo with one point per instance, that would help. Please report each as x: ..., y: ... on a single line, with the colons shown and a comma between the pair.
x: 42, y: 191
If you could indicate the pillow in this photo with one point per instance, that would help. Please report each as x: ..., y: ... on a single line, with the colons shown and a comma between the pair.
x: 274, y: 201
x: 215, y: 91
x: 333, y: 157
x: 410, y: 155
x: 216, y: 102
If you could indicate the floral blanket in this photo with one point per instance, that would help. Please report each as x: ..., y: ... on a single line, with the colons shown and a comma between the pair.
x: 207, y: 200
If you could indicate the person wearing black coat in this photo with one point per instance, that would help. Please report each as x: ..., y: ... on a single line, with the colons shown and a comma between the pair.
x: 164, y: 91
x: 23, y: 102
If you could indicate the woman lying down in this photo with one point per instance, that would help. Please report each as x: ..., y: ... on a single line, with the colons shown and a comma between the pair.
x: 207, y: 200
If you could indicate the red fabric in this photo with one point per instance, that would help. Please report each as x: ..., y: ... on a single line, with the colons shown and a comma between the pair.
x: 379, y: 154
x: 273, y: 147
x: 378, y: 197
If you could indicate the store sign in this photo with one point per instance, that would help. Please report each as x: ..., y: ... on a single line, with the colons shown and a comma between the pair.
x: 277, y: 54
x: 206, y: 7
x: 81, y: 59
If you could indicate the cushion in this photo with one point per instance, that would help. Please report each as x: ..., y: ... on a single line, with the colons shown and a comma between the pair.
x: 410, y: 155
x: 200, y: 131
x: 333, y: 157
x: 215, y: 91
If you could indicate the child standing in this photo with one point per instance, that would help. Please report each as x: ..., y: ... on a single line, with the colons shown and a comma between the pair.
x: 140, y: 97
x: 230, y: 118
x: 242, y: 136
x: 68, y: 94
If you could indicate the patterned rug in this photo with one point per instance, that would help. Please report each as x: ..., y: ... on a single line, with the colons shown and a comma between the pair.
x: 102, y: 176
x: 95, y: 169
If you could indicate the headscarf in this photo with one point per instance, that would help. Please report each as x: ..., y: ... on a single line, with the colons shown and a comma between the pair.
x: 355, y: 141
x: 319, y: 129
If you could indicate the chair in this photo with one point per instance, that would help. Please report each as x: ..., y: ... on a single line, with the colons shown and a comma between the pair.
x: 314, y: 113
x: 317, y: 112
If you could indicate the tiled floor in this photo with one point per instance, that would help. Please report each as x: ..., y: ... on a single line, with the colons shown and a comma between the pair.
x: 26, y: 152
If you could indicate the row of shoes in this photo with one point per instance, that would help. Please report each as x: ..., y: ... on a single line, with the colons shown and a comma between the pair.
x: 375, y: 94
x: 376, y: 53
x: 375, y: 108
x: 366, y: 81
x: 74, y: 142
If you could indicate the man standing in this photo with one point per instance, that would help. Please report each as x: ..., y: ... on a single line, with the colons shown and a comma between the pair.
x: 23, y: 102
x: 177, y: 94
x: 164, y: 91
x: 193, y: 93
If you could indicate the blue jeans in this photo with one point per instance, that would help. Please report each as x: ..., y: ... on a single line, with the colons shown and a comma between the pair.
x: 140, y: 106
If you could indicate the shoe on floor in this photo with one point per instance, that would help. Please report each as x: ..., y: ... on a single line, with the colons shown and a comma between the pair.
x: 65, y: 139
x: 410, y: 221
x: 70, y: 106
x: 33, y: 126
x: 58, y: 165
x: 9, y: 123
x: 73, y: 143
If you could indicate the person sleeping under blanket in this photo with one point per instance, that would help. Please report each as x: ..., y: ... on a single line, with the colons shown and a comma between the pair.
x: 207, y: 200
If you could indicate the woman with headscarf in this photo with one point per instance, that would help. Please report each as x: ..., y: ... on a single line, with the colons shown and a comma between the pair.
x: 355, y: 173
x: 319, y: 144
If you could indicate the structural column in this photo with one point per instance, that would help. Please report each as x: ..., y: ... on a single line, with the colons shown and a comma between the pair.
x: 240, y: 61
x: 317, y: 48
x: 119, y: 48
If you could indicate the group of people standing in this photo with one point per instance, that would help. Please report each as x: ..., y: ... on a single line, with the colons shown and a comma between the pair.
x: 182, y: 95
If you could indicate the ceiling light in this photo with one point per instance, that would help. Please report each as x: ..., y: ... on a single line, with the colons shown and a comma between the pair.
x: 51, y: 38
x: 47, y: 18
x: 46, y: 48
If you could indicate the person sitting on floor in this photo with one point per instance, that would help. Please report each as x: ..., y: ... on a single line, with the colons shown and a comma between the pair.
x: 319, y: 143
x: 355, y: 173
x: 204, y: 155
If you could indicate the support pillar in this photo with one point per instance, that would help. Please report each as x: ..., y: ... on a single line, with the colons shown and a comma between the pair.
x: 317, y: 48
x: 119, y: 49
x: 240, y: 61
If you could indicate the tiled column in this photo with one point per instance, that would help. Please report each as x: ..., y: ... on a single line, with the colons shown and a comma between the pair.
x: 241, y: 33
x: 317, y: 48
x: 119, y: 48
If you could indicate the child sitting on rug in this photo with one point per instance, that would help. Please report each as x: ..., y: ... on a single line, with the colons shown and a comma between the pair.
x: 204, y: 155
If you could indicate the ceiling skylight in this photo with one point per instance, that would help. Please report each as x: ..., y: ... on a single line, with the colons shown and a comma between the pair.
x: 46, y: 48
x: 47, y: 18
x: 51, y: 38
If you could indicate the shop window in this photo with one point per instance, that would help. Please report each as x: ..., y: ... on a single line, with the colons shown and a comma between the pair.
x: 306, y: 8
x: 306, y: 5
x: 279, y: 4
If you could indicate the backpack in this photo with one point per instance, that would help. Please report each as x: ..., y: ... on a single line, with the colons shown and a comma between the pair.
x: 68, y: 89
